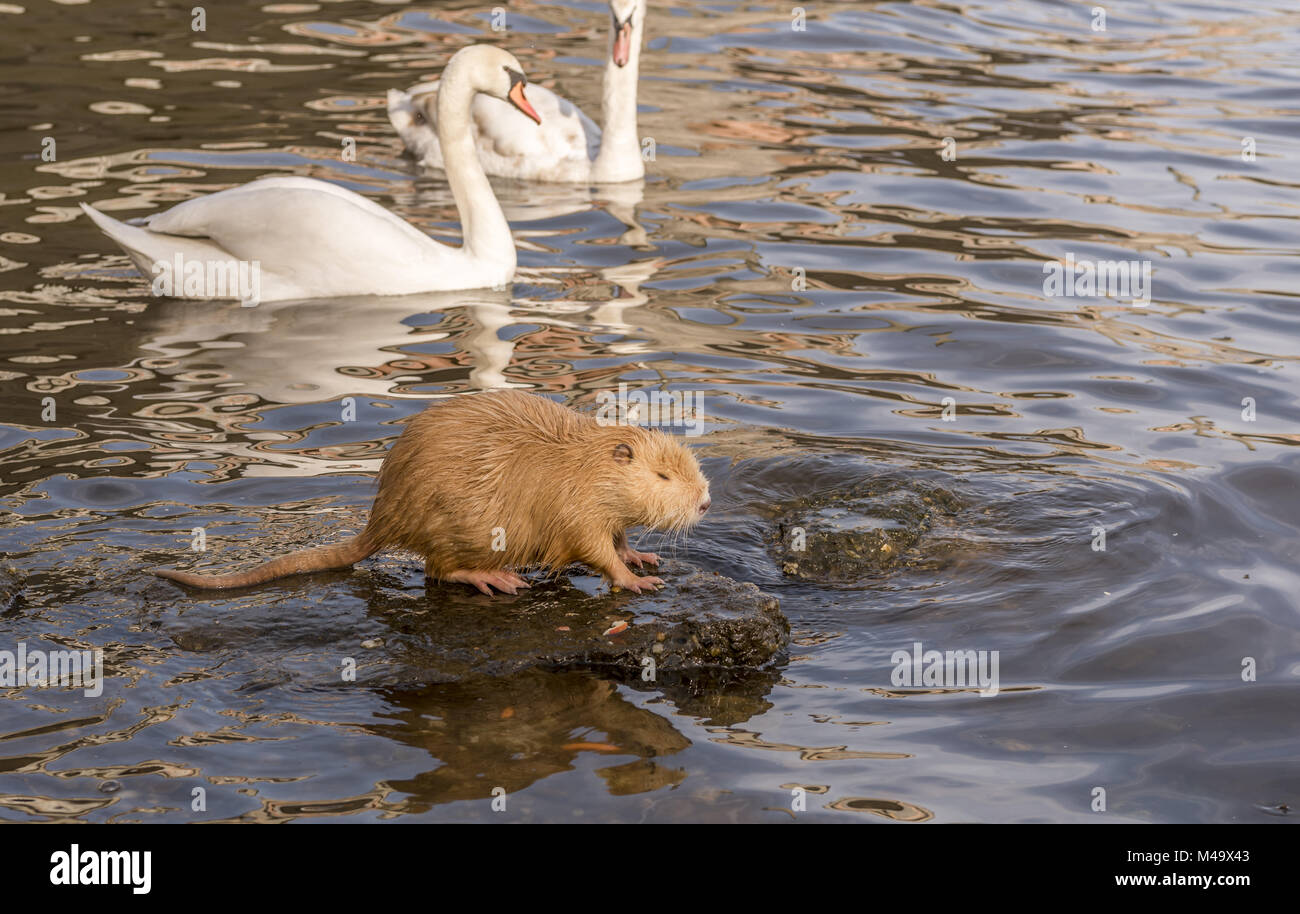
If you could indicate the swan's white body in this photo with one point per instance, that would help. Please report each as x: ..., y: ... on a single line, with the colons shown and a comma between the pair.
x: 312, y: 239
x: 567, y: 147
x: 561, y: 149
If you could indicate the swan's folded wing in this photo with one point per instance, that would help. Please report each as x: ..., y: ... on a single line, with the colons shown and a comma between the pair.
x: 299, y: 227
x: 564, y: 135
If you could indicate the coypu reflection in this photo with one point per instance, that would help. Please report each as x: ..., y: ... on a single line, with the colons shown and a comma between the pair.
x: 513, y: 731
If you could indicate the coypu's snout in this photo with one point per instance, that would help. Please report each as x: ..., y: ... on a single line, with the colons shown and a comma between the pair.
x: 658, y: 479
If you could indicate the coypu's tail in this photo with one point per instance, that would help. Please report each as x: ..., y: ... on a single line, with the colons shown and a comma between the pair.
x: 322, y: 558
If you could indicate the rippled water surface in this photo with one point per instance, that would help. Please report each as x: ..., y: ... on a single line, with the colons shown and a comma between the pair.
x: 854, y: 305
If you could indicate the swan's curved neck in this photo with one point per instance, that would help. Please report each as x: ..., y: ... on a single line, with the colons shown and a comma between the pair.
x: 619, y: 158
x: 486, y: 233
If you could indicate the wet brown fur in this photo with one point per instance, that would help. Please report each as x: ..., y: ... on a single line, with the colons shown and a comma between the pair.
x: 558, y: 486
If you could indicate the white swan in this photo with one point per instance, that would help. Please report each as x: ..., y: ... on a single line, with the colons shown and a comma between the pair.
x: 565, y: 148
x: 312, y: 239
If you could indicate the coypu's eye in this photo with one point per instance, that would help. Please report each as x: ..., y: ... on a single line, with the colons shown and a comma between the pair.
x: 662, y: 476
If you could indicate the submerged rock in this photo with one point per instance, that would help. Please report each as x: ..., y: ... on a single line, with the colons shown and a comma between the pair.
x: 859, y: 530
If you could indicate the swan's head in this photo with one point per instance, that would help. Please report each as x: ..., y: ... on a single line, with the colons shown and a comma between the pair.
x: 492, y: 71
x: 628, y: 15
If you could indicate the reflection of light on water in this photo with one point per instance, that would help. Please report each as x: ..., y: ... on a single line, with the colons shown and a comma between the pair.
x: 898, y: 810
x: 841, y: 519
x: 748, y: 740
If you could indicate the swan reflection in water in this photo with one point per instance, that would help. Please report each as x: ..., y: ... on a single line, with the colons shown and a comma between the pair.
x: 523, y: 203
x: 219, y: 355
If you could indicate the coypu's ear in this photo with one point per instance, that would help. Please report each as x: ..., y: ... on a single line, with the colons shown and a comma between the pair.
x: 622, y: 453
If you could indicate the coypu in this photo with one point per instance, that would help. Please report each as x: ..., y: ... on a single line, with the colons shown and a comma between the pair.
x: 483, y: 484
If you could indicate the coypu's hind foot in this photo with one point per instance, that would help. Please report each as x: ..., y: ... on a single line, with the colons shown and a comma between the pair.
x: 505, y: 581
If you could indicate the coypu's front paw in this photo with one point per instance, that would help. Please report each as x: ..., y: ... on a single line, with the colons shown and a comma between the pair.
x: 638, y: 584
x: 634, y: 558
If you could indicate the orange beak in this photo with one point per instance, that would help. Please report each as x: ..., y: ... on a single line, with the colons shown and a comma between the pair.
x: 622, y: 44
x: 517, y: 99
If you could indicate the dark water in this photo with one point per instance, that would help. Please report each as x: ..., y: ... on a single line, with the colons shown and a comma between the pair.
x: 778, y: 151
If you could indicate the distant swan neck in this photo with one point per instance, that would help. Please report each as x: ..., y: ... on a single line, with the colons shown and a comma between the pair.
x: 620, y: 158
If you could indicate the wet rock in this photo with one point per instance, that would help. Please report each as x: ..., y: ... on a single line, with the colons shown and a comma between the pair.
x: 852, y: 532
x: 697, y: 620
x: 404, y: 632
